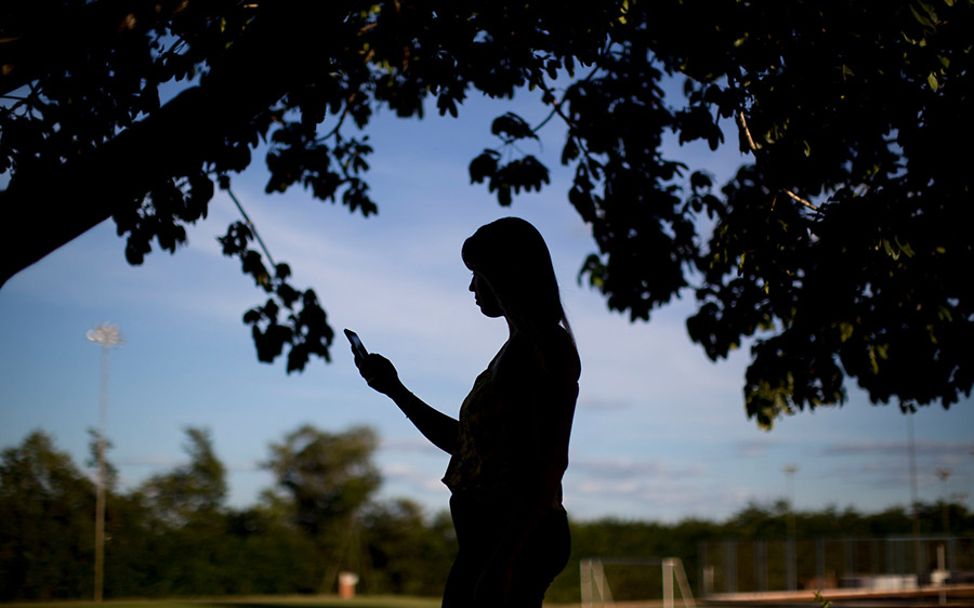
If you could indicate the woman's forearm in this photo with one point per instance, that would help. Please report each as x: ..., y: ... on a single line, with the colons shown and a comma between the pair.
x: 436, y: 426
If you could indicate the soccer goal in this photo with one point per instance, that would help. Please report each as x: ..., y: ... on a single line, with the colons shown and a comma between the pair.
x: 637, y: 583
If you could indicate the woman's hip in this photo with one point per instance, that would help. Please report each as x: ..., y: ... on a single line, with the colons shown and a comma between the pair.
x: 482, y: 523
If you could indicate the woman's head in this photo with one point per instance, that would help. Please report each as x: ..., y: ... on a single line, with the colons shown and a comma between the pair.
x: 511, y: 257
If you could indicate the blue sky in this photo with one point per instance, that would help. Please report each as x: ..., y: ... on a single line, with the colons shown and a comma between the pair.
x: 660, y: 431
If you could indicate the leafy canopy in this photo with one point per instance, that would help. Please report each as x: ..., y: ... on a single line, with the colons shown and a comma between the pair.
x: 843, y: 247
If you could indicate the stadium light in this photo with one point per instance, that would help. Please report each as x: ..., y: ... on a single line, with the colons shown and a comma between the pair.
x: 107, y: 336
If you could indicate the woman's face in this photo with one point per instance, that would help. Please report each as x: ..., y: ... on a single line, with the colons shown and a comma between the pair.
x: 485, y: 297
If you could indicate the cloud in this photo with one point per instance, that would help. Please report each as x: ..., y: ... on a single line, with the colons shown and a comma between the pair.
x: 624, y: 468
x: 163, y: 463
x: 885, y: 448
x: 413, y: 445
x: 893, y: 473
x: 414, y: 477
x: 604, y: 404
x: 652, y: 499
x: 753, y: 448
x: 598, y: 487
x: 410, y: 302
x: 151, y: 462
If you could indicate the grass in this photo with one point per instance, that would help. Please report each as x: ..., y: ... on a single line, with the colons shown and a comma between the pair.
x: 295, y: 601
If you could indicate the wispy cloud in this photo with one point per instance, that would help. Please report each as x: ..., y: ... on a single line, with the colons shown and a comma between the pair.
x: 669, y: 500
x: 417, y: 478
x: 624, y: 468
x: 604, y: 403
x: 753, y: 448
x: 416, y: 445
x: 163, y: 463
x: 872, y: 448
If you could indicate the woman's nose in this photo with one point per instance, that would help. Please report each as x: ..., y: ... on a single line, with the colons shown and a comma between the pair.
x: 472, y: 281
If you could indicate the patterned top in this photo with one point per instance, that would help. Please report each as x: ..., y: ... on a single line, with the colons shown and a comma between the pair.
x: 514, y: 427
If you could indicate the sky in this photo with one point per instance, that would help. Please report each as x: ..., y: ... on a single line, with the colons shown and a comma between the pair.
x: 660, y: 431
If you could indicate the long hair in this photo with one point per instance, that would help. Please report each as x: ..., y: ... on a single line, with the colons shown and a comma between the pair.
x: 514, y: 259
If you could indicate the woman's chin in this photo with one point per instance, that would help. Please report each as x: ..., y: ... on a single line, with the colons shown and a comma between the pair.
x: 490, y: 312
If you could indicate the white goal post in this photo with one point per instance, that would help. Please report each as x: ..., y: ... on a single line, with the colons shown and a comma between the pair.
x: 596, y: 592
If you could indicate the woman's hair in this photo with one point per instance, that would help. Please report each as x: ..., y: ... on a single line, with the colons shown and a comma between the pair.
x: 511, y: 254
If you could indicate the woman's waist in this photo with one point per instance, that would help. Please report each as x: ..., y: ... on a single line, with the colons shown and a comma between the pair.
x: 505, y: 494
x: 501, y: 467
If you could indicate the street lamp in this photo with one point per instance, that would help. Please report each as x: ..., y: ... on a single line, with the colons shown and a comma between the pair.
x: 107, y: 336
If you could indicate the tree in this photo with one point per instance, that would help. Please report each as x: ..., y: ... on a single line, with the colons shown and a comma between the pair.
x: 187, y: 503
x: 193, y: 490
x: 407, y: 555
x: 841, y: 249
x: 270, y: 554
x: 46, y: 523
x: 328, y: 479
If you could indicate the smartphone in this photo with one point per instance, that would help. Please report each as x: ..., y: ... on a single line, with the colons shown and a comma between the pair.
x: 358, y: 349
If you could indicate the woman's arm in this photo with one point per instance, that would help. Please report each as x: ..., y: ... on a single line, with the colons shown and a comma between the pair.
x: 436, y: 426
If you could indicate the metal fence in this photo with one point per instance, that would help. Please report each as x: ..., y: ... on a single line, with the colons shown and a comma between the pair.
x: 739, y: 566
x: 661, y: 583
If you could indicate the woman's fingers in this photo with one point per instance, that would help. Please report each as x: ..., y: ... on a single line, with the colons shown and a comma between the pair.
x: 377, y: 371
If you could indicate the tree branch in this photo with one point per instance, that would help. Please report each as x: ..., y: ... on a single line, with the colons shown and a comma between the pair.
x: 46, y: 210
x: 251, y: 225
x: 59, y: 36
x: 742, y: 121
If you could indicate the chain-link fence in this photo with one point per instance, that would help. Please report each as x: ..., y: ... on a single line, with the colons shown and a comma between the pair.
x: 897, y: 562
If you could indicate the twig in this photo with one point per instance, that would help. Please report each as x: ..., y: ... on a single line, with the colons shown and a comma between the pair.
x: 250, y: 224
x: 341, y: 118
x: 175, y: 48
x: 743, y: 123
x: 801, y: 200
x: 557, y: 110
x: 541, y: 124
x: 556, y: 106
x: 368, y: 27
x: 755, y: 147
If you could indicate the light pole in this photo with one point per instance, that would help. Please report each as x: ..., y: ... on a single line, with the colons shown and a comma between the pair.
x: 792, y: 557
x: 107, y: 336
x: 914, y: 494
x: 944, y: 474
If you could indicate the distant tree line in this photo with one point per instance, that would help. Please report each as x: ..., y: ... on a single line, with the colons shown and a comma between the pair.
x: 175, y: 535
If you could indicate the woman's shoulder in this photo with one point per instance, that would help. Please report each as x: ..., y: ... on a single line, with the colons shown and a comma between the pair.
x: 551, y: 352
x: 565, y: 353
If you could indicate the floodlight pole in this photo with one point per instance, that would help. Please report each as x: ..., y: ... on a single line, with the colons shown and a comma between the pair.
x: 914, y: 496
x: 944, y: 474
x: 106, y: 336
x: 791, y: 548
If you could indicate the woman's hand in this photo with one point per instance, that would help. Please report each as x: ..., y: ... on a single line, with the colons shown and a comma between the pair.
x: 379, y: 373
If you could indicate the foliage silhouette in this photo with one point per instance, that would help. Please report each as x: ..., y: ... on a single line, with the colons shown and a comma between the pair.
x: 327, y: 479
x: 192, y: 490
x: 174, y: 534
x: 842, y: 247
x: 46, y: 521
x: 46, y: 532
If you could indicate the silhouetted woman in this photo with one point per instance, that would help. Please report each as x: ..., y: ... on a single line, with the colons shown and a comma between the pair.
x: 509, y: 448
